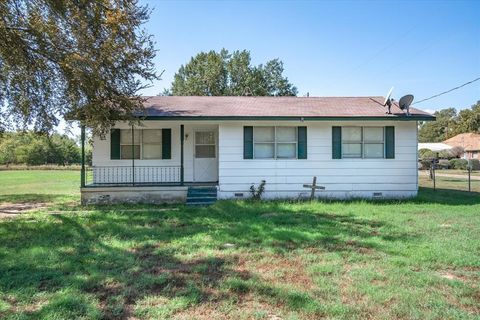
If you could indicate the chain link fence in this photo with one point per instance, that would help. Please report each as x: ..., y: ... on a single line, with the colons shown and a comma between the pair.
x: 461, y: 180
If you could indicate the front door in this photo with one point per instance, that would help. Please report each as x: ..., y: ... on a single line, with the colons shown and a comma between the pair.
x: 205, y: 165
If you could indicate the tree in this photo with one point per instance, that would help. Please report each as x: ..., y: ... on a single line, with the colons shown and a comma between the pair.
x: 32, y: 148
x: 468, y: 120
x: 223, y: 74
x: 72, y: 59
x: 439, y: 130
x: 449, y: 124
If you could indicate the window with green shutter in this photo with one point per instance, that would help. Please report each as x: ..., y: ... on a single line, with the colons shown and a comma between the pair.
x: 274, y: 142
x: 363, y: 142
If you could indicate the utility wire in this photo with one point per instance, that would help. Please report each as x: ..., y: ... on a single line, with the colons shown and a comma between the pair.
x: 445, y: 92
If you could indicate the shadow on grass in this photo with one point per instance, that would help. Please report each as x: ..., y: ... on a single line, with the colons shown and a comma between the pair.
x: 151, y: 261
x: 115, y: 264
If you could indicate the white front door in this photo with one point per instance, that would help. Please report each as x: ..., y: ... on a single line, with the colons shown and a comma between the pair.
x: 205, y: 165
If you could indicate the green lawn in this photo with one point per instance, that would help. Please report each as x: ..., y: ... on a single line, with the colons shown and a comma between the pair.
x: 415, y: 259
x: 450, y: 183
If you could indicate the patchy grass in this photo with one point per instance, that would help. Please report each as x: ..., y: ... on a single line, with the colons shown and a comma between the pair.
x: 412, y: 259
x: 450, y: 183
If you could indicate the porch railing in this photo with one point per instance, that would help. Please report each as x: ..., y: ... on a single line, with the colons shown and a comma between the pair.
x: 129, y: 175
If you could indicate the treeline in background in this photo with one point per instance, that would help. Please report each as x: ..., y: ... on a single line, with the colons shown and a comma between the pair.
x: 33, y: 149
x: 449, y: 123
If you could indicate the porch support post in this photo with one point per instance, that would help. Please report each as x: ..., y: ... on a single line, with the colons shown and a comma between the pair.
x: 182, y: 136
x: 133, y: 158
x: 82, y: 171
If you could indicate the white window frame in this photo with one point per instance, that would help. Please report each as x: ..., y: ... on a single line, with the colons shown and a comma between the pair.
x: 131, y: 144
x: 159, y: 144
x: 363, y: 142
x: 140, y: 143
x: 275, y: 143
x: 195, y: 144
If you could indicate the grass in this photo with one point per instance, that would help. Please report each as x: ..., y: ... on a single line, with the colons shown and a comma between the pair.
x: 449, y: 183
x: 413, y: 259
x: 459, y: 172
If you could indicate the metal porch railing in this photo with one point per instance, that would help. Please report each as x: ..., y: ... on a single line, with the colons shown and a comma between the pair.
x: 129, y: 175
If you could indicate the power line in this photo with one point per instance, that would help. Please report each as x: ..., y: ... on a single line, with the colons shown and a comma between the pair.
x: 442, y: 93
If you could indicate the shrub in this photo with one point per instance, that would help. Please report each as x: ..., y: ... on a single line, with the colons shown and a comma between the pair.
x: 460, y: 164
x: 475, y: 163
x: 425, y: 154
x: 443, y: 164
x: 257, y: 192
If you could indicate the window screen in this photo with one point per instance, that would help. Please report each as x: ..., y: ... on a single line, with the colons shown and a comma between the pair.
x: 275, y: 142
x: 363, y: 142
x: 351, y: 142
x: 126, y: 144
x: 152, y: 144
x: 205, y: 144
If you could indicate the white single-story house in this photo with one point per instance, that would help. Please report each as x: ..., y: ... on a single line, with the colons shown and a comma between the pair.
x: 224, y: 145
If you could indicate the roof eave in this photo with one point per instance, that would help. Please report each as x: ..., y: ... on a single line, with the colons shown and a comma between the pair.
x: 294, y: 118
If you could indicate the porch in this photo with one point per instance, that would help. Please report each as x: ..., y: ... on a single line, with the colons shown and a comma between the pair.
x: 156, y: 154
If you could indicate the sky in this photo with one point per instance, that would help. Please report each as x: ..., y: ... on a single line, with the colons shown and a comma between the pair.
x: 333, y: 48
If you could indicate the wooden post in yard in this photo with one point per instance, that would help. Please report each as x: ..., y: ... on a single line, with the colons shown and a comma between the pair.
x: 314, y: 187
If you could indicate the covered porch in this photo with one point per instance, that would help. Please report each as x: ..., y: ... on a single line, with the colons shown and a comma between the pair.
x: 158, y: 161
x: 157, y: 153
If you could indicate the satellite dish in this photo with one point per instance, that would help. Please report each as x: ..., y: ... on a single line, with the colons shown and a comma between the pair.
x: 405, y: 103
x: 387, y: 101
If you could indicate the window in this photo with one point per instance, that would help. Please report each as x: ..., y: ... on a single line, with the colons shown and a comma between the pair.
x: 146, y: 144
x: 151, y: 144
x: 126, y: 144
x: 373, y: 142
x: 275, y: 142
x: 363, y: 142
x: 205, y: 144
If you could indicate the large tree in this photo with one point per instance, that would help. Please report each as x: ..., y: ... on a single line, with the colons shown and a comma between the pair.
x: 450, y: 123
x: 72, y: 59
x: 230, y: 74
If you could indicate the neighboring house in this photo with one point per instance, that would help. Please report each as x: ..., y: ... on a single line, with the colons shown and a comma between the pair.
x: 350, y: 144
x: 434, y: 146
x: 470, y: 142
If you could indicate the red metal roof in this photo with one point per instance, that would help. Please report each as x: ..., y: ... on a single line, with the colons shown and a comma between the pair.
x: 244, y: 107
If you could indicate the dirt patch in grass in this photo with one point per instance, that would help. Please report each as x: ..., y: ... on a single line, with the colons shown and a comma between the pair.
x: 12, y: 210
x: 245, y: 307
x: 276, y: 269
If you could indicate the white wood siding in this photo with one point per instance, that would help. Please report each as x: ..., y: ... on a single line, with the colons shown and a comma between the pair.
x: 343, y: 178
x: 101, y: 148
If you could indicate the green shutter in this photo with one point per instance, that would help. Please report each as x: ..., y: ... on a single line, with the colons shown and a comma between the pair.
x: 166, y: 143
x: 336, y: 142
x: 390, y: 142
x: 115, y: 144
x: 302, y: 143
x: 247, y: 142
